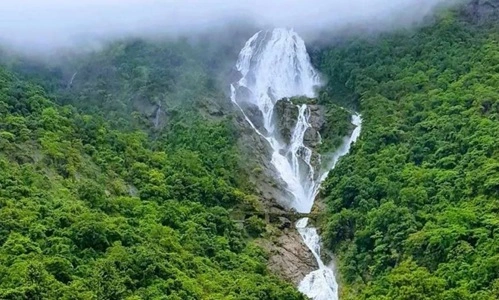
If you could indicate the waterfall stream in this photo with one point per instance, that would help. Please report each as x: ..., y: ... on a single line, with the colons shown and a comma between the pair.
x: 275, y: 65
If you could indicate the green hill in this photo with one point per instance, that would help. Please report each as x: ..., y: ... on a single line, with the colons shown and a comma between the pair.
x: 95, y: 203
x: 414, y: 210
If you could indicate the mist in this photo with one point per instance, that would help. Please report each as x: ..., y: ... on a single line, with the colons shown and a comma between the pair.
x: 35, y: 25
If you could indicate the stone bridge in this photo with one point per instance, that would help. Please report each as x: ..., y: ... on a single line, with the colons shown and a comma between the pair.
x: 292, y: 216
x: 282, y: 217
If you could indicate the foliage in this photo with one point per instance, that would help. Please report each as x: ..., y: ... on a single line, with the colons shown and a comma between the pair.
x: 414, y: 209
x: 337, y: 124
x: 255, y: 226
x: 89, y: 210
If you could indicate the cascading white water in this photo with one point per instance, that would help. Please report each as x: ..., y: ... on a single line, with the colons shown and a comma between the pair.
x: 321, y: 284
x: 275, y: 65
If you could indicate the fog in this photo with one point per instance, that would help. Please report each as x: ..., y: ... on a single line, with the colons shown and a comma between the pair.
x: 47, y: 24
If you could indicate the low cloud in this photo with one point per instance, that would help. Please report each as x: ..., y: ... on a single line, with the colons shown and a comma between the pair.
x: 46, y: 24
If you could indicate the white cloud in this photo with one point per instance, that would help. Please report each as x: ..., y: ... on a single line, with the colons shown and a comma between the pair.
x: 49, y: 23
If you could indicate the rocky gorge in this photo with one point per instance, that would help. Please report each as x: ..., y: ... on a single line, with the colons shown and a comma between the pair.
x: 289, y: 257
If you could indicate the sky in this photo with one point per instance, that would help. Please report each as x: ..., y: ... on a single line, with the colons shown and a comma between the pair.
x: 39, y: 24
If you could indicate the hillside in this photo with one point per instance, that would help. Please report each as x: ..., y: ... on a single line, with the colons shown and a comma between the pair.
x: 96, y: 203
x: 414, y: 209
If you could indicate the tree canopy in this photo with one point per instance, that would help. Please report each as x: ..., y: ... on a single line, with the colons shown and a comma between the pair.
x: 414, y: 209
x: 90, y: 209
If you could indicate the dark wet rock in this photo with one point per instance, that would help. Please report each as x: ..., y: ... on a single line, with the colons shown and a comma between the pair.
x: 256, y: 117
x: 316, y: 118
x: 284, y: 223
x: 311, y: 138
x: 285, y: 117
x: 252, y: 111
x: 243, y: 94
x: 270, y: 188
x: 317, y: 121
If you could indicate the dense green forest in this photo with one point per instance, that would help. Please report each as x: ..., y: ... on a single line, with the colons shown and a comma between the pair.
x: 120, y: 173
x: 96, y: 203
x: 414, y: 209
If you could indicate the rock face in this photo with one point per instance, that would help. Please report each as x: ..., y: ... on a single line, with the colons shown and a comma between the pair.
x: 262, y: 174
x: 317, y: 121
x: 289, y: 257
x: 252, y: 111
x: 153, y: 112
x: 285, y: 116
x: 256, y: 149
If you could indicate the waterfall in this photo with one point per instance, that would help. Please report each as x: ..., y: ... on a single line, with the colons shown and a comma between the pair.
x: 70, y: 84
x: 157, y: 116
x: 321, y: 284
x: 275, y: 65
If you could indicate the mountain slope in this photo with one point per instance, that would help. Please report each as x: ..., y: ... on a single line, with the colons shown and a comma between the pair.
x: 90, y: 211
x: 414, y: 209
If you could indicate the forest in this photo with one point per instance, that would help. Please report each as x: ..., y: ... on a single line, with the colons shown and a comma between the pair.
x: 96, y: 202
x: 413, y: 211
